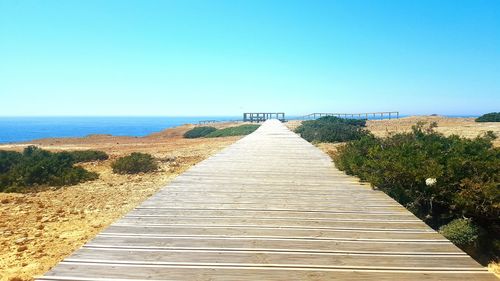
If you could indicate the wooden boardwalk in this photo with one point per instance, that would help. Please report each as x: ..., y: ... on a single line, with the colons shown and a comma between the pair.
x: 269, y: 207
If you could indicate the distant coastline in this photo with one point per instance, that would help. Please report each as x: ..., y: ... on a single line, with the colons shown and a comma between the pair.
x: 26, y: 129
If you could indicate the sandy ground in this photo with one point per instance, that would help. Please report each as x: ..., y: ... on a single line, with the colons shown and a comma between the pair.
x: 37, y: 230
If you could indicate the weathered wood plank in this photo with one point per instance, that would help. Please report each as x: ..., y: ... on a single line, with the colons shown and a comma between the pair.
x: 398, y: 225
x: 277, y: 231
x: 283, y: 258
x: 307, y: 245
x: 116, y: 272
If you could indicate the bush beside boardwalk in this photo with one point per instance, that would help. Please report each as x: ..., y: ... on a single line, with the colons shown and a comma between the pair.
x: 489, y: 117
x: 440, y: 179
x: 332, y: 129
x: 211, y: 132
x: 234, y: 131
x: 135, y: 163
x: 199, y: 132
x: 36, y: 167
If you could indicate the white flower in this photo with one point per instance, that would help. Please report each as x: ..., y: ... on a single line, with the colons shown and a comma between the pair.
x: 430, y: 181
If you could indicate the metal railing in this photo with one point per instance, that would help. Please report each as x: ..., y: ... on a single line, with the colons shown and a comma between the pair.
x: 262, y: 116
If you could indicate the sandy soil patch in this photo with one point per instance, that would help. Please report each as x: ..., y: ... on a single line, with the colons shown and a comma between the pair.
x: 37, y: 230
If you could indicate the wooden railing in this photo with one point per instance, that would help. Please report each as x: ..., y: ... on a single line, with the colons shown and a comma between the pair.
x: 202, y: 122
x: 366, y: 115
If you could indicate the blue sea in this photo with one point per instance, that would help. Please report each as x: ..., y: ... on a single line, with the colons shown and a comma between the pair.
x: 21, y: 129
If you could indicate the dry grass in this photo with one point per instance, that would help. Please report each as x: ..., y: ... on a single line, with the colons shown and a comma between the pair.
x: 494, y: 267
x: 464, y: 127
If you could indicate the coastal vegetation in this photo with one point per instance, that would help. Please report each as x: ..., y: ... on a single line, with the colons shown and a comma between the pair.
x: 461, y: 232
x: 489, y: 117
x: 211, y: 132
x: 36, y: 167
x: 332, y: 129
x: 135, y: 163
x: 234, y: 131
x: 440, y: 179
x: 199, y: 132
x: 80, y: 156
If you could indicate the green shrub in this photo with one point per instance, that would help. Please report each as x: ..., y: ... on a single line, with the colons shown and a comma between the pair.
x: 489, y: 117
x: 332, y: 129
x: 234, y: 131
x: 81, y: 156
x: 199, y: 132
x: 38, y: 167
x: 466, y: 173
x: 8, y: 159
x: 461, y: 232
x: 135, y: 163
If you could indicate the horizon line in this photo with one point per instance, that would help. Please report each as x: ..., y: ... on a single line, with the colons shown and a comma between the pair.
x: 196, y: 116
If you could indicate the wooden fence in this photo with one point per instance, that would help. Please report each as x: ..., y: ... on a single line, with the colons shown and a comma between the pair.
x: 366, y: 115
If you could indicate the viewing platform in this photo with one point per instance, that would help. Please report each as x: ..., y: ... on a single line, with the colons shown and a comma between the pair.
x: 263, y: 116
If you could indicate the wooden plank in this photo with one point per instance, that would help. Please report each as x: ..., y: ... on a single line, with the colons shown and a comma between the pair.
x: 300, y: 215
x: 277, y: 219
x: 255, y: 231
x: 308, y: 245
x: 116, y: 272
x: 283, y: 258
x: 269, y: 207
x: 274, y: 222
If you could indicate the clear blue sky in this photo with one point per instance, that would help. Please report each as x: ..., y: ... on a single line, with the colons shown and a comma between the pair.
x: 225, y: 57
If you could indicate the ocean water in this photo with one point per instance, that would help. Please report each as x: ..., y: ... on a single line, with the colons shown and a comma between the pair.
x: 21, y: 129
